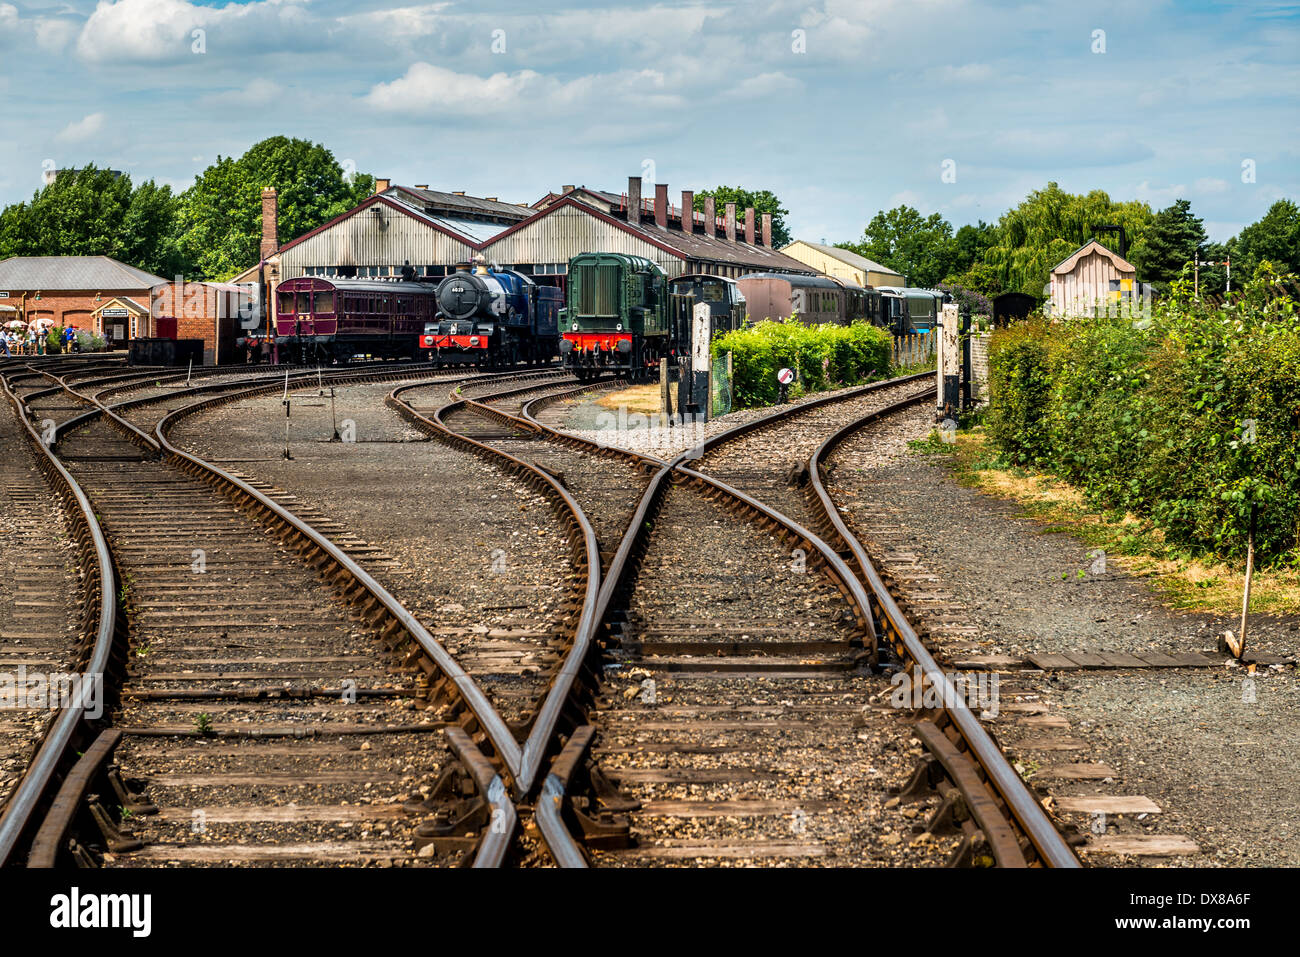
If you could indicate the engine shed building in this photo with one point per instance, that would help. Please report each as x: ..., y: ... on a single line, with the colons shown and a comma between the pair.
x: 679, y: 239
x: 431, y: 231
x: 843, y: 264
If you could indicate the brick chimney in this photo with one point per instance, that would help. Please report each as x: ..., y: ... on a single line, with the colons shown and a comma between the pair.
x: 731, y: 222
x: 767, y: 230
x: 661, y: 204
x: 270, y: 222
x: 634, y: 200
x: 382, y: 185
x: 749, y: 225
x: 566, y: 189
x: 710, y: 217
x: 688, y: 210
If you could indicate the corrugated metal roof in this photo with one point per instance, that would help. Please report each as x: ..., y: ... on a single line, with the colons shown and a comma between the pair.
x: 73, y: 272
x: 479, y: 232
x: 688, y: 246
x: 440, y: 200
x: 848, y: 256
x: 720, y: 249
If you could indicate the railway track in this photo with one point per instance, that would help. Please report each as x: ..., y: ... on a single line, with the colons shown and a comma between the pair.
x: 783, y: 675
x: 249, y: 726
x: 703, y: 723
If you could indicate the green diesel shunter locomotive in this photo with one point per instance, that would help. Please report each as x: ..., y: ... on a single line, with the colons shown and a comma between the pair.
x: 616, y: 316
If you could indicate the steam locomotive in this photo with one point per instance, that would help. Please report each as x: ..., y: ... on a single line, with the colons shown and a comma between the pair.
x: 493, y: 317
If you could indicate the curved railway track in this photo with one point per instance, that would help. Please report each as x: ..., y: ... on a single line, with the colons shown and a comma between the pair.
x: 969, y: 781
x: 260, y: 730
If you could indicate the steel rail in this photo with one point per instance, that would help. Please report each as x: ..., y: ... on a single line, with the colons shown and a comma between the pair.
x: 540, y: 734
x: 1051, y: 847
x: 33, y: 789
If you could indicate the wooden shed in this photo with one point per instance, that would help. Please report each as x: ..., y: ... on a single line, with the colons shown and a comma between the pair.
x: 1089, y: 280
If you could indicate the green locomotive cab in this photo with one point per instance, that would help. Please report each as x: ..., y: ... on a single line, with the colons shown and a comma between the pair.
x: 616, y: 316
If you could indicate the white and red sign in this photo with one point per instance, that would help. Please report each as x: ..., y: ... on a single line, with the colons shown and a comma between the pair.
x: 785, y: 376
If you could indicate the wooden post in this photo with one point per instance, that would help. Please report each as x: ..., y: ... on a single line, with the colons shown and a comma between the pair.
x: 665, y: 390
x: 949, y: 364
x: 1250, y: 570
x: 701, y: 384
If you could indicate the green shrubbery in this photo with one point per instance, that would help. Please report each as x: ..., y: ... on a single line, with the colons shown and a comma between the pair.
x: 1187, y: 418
x: 825, y: 356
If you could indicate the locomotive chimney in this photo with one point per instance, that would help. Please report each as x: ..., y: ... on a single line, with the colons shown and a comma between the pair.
x: 710, y: 217
x: 767, y: 230
x: 749, y: 225
x: 270, y: 222
x: 688, y: 210
x: 634, y: 200
x: 661, y: 205
x: 731, y: 222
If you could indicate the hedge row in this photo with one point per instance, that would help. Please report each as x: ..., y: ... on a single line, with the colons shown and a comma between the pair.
x: 1189, y: 417
x: 824, y: 356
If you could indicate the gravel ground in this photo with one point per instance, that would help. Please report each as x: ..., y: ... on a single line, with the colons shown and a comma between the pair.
x: 470, y: 551
x: 1219, y: 767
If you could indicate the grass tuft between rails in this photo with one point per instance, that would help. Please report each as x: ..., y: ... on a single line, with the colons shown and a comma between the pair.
x: 1185, y: 582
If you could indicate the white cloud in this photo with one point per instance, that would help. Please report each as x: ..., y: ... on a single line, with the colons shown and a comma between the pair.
x: 83, y: 129
x: 258, y: 92
x: 1210, y: 184
x: 129, y: 30
x: 427, y: 88
x: 763, y: 86
x: 1159, y: 196
x: 53, y: 35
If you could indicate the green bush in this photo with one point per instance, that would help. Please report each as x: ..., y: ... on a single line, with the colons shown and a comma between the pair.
x: 824, y: 356
x: 1020, y: 386
x: 1189, y: 418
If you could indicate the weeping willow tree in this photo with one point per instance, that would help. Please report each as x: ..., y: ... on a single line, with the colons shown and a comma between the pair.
x: 1050, y: 225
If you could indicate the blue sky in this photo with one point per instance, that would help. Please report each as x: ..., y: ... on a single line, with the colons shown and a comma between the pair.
x: 842, y: 107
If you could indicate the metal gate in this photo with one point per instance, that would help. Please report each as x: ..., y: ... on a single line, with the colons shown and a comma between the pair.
x: 721, y: 384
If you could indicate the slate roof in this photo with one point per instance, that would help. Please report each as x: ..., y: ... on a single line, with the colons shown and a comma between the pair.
x: 72, y: 272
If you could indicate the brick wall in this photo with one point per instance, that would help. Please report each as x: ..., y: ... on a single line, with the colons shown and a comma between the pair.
x: 202, y: 312
x: 73, y: 307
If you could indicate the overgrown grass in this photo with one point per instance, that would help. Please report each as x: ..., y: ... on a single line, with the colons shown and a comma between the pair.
x: 1184, y: 581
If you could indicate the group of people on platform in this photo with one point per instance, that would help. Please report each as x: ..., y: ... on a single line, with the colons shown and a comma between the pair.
x: 26, y: 341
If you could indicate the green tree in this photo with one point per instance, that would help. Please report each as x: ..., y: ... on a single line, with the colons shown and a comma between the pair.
x: 221, y: 219
x: 919, y: 247
x: 96, y: 212
x: 1275, y: 237
x: 763, y: 201
x: 1171, y: 243
x: 969, y: 244
x: 1050, y: 225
